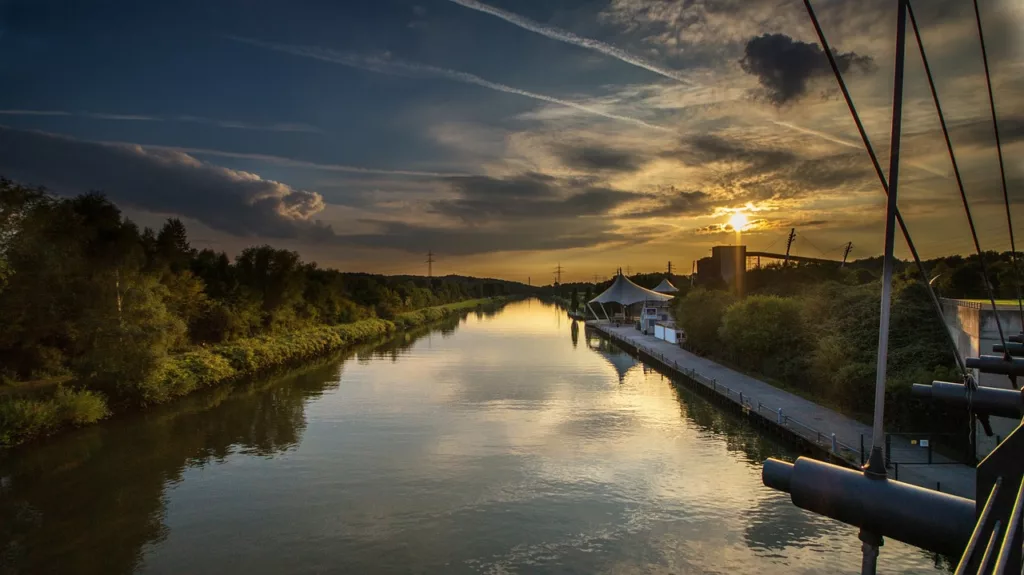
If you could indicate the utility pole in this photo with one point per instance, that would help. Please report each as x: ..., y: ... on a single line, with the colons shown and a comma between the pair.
x: 846, y: 252
x: 693, y: 272
x: 558, y: 274
x: 789, y: 244
x: 430, y: 264
x: 529, y: 281
x: 670, y: 268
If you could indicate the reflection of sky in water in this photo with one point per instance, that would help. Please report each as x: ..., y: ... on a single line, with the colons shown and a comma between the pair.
x: 503, y: 448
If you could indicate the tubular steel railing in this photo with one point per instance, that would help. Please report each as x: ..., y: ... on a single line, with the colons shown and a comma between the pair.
x: 821, y: 438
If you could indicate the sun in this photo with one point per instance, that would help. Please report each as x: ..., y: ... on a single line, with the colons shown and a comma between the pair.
x: 738, y: 221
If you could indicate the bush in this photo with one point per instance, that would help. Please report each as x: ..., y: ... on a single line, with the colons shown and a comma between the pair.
x: 700, y: 314
x: 22, y: 419
x: 765, y: 333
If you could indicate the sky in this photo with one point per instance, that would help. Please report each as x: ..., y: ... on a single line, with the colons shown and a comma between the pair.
x: 508, y: 137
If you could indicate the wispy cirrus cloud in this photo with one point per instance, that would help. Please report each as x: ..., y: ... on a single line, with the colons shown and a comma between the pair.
x: 231, y: 124
x: 294, y: 163
x: 568, y: 37
x: 396, y: 67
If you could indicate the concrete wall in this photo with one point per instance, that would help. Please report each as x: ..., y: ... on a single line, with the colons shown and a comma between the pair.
x: 975, y: 330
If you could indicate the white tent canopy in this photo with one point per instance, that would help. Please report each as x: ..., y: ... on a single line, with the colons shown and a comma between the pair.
x: 625, y: 292
x: 666, y: 287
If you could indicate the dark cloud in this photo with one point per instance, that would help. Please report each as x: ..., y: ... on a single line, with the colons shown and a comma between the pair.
x: 785, y: 66
x: 527, y: 196
x: 757, y: 173
x: 710, y: 148
x: 981, y: 133
x: 598, y: 158
x: 528, y: 235
x: 236, y: 202
x: 673, y: 203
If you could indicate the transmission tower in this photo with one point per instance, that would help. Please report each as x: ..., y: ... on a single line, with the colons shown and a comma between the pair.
x: 789, y: 244
x: 670, y: 267
x: 430, y: 264
x: 846, y: 252
x: 558, y: 274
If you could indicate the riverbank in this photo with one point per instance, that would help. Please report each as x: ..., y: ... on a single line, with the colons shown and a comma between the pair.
x: 43, y: 411
x: 804, y: 421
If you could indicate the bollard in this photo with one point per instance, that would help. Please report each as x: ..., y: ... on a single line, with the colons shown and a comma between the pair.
x: 835, y: 445
x: 741, y: 398
x: 780, y: 416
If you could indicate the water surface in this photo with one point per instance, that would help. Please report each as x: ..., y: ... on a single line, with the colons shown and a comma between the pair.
x: 508, y: 442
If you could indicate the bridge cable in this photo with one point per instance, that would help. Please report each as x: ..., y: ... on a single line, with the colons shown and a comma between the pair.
x: 885, y: 184
x: 959, y: 180
x: 1002, y: 171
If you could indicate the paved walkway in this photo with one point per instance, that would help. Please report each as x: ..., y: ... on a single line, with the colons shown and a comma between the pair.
x: 805, y: 418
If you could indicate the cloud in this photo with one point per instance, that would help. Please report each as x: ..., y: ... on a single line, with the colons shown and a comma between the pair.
x: 526, y: 235
x: 599, y: 158
x: 293, y: 163
x: 232, y: 124
x: 570, y: 38
x: 672, y: 203
x: 784, y: 66
x: 396, y: 67
x: 527, y: 196
x: 236, y: 202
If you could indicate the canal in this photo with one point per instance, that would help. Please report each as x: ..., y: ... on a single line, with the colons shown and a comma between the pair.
x: 506, y: 442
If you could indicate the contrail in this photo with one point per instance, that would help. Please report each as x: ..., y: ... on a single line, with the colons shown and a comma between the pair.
x: 570, y: 38
x: 293, y: 163
x: 396, y: 67
x: 850, y: 144
x: 276, y: 127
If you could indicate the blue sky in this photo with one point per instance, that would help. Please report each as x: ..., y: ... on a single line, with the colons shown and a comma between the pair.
x: 504, y: 136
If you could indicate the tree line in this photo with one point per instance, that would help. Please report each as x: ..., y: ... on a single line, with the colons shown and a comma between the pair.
x: 86, y: 293
x: 814, y: 328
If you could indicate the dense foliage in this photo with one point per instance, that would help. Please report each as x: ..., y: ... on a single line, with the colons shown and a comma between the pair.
x: 141, y: 316
x: 814, y: 328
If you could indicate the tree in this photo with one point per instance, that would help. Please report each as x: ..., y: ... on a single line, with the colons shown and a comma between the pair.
x: 766, y: 333
x: 700, y: 313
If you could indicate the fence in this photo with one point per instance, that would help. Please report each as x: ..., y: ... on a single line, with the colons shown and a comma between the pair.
x: 823, y: 439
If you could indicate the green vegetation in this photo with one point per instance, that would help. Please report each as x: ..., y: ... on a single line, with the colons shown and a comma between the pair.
x: 138, y: 317
x: 22, y: 419
x: 813, y: 329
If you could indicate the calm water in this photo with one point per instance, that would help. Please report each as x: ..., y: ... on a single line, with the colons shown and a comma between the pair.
x: 504, y: 443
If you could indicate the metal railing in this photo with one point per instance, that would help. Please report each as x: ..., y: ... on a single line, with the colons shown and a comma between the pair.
x: 823, y: 439
x: 1002, y: 538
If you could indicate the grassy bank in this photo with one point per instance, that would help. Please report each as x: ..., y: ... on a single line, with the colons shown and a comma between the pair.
x: 47, y: 411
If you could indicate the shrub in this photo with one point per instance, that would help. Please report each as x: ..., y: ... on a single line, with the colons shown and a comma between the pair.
x: 22, y: 419
x: 700, y: 313
x: 766, y: 333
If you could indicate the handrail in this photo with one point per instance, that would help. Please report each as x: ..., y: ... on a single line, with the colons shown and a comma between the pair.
x: 961, y: 568
x: 815, y: 435
x: 1012, y: 524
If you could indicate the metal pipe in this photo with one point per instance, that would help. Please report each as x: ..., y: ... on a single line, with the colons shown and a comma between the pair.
x: 935, y: 521
x: 1013, y: 523
x: 965, y: 559
x: 1015, y: 349
x: 990, y: 548
x: 875, y: 463
x: 997, y: 364
x: 984, y: 400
